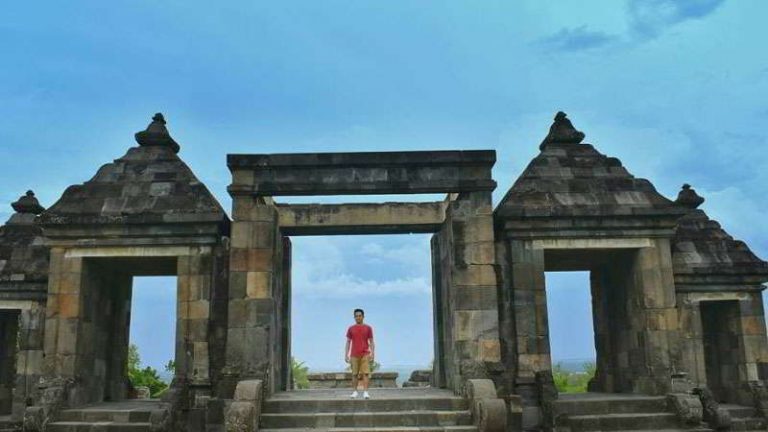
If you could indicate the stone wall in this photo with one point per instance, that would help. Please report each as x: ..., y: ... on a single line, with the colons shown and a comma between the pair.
x: 9, y: 330
x: 742, y: 360
x: 22, y: 354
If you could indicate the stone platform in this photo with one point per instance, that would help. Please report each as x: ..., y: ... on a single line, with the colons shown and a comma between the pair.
x: 325, y: 380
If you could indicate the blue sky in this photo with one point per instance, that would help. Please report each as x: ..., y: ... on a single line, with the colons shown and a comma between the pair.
x: 675, y: 89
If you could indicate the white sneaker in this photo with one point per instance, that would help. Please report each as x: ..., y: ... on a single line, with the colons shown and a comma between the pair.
x: 366, y: 395
x: 353, y: 395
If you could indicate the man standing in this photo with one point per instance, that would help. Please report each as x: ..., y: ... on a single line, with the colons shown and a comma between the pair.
x: 359, y: 352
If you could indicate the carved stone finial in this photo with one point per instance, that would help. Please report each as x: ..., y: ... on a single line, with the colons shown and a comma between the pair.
x: 687, y: 197
x: 562, y: 131
x: 157, y: 134
x: 28, y: 204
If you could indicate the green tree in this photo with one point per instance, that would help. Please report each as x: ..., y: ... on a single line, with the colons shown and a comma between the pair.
x: 570, y: 382
x: 146, y: 377
x: 300, y: 374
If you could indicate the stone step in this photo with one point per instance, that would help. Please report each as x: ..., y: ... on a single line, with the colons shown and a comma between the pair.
x: 671, y: 430
x: 366, y: 419
x: 76, y: 426
x: 748, y: 423
x: 738, y: 412
x: 634, y: 421
x: 313, y: 405
x: 103, y: 415
x: 611, y: 404
x: 380, y: 429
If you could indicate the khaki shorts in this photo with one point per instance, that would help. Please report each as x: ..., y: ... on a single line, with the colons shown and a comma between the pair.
x: 360, y: 365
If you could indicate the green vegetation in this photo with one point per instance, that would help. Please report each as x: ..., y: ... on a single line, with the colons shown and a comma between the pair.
x: 146, y: 377
x: 573, y: 382
x: 299, y: 372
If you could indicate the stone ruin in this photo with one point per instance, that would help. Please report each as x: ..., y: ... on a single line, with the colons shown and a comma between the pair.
x: 677, y: 306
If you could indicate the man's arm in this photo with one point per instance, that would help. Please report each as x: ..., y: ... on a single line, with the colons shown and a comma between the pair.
x: 346, y: 351
x: 371, y: 347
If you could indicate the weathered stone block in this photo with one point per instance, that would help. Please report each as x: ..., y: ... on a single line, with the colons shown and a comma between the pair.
x: 248, y: 390
x: 197, y: 309
x: 260, y: 259
x: 475, y: 274
x: 238, y: 259
x: 259, y: 285
x: 475, y: 324
x: 475, y: 298
x: 238, y: 282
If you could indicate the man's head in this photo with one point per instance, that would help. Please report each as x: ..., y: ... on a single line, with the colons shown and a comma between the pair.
x: 359, y: 315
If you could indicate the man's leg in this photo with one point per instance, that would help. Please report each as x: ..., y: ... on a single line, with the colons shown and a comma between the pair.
x: 365, y: 370
x: 354, y: 363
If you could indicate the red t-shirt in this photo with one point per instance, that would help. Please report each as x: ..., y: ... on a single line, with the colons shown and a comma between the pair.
x: 359, y: 334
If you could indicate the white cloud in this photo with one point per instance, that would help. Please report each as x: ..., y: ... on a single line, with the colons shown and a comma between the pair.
x: 344, y: 266
x: 347, y: 285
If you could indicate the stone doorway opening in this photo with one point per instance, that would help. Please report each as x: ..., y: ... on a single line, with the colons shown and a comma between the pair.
x: 720, y: 321
x: 104, y: 330
x: 611, y: 273
x: 9, y: 329
x: 389, y: 277
x: 571, y: 324
x: 153, y: 323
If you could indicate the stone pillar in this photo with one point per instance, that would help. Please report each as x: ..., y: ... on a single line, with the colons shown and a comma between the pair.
x: 691, y: 338
x: 753, y: 339
x: 29, y: 359
x: 253, y: 335
x: 441, y: 331
x: 116, y: 323
x: 529, y: 316
x: 195, y: 274
x: 467, y: 238
x: 63, y: 313
x: 653, y: 319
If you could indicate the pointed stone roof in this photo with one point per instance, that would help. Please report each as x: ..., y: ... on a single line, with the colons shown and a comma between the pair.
x: 23, y: 254
x: 149, y: 185
x: 572, y: 180
x: 705, y: 254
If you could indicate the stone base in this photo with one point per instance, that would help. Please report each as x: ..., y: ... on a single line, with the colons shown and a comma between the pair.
x: 326, y: 380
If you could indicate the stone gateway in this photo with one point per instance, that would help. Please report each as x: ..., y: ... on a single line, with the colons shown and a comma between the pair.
x: 680, y: 330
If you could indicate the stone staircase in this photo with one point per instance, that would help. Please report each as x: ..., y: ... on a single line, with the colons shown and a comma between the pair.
x: 615, y: 412
x: 126, y: 416
x: 388, y: 410
x: 8, y: 425
x: 745, y: 418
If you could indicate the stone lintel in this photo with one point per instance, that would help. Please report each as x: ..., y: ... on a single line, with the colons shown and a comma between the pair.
x: 385, y: 218
x: 137, y: 251
x: 364, y: 159
x: 696, y: 297
x: 23, y: 291
x: 687, y: 286
x: 635, y: 225
x: 361, y: 173
x: 18, y: 304
x: 593, y: 243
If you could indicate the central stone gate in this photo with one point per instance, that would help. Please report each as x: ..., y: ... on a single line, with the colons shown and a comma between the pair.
x: 464, y: 282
